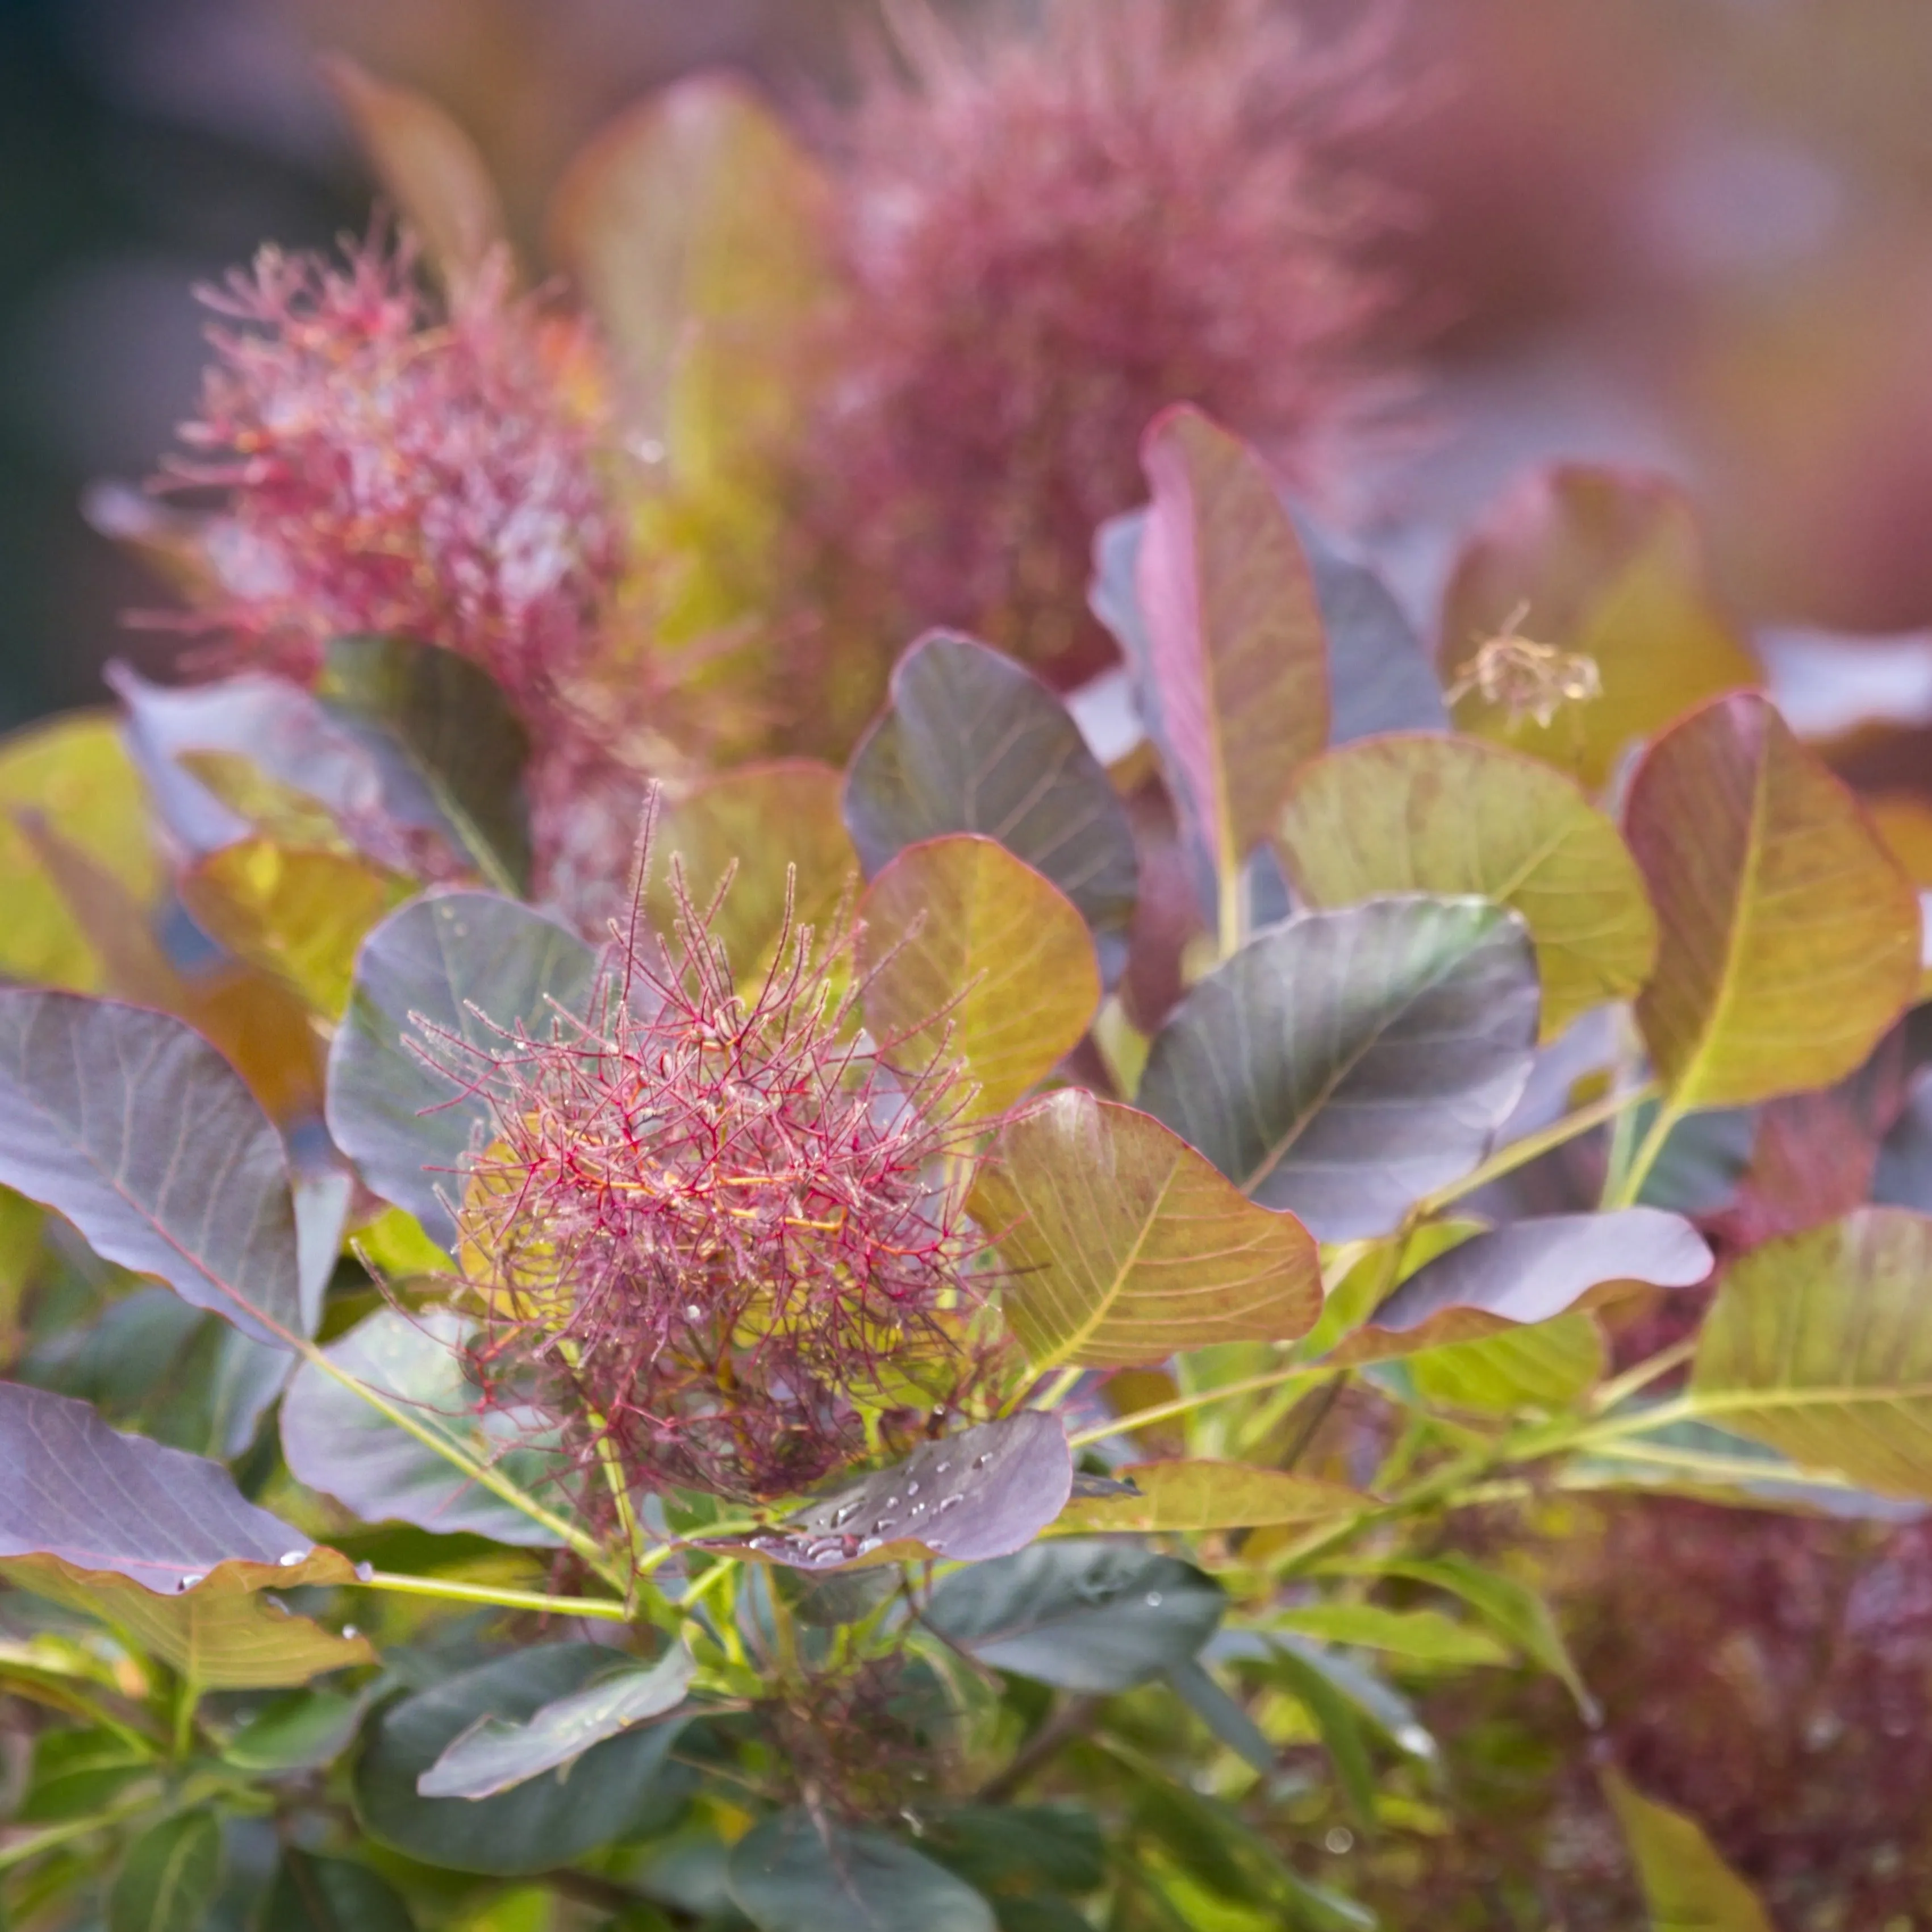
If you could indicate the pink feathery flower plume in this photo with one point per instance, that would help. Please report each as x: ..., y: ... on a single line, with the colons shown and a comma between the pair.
x: 713, y: 1231
x: 389, y: 470
x: 1050, y: 237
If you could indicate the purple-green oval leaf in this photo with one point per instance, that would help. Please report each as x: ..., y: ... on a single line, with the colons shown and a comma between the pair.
x: 984, y: 1492
x: 1345, y: 1064
x: 445, y: 958
x: 130, y: 1124
x: 493, y: 1755
x: 1530, y: 1271
x: 975, y: 742
x: 792, y: 1875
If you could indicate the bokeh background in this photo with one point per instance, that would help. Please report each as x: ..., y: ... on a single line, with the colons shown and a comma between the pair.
x: 1693, y: 233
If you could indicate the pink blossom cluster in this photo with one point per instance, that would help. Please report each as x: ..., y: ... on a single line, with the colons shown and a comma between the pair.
x: 716, y: 1229
x: 1049, y: 240
x: 388, y: 468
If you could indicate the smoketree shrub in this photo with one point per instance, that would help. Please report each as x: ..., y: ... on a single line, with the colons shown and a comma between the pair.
x: 796, y: 1405
x: 597, y: 1334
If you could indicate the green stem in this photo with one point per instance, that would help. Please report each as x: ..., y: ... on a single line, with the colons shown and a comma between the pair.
x: 1061, y: 1387
x: 454, y: 1592
x: 480, y: 1472
x: 1532, y: 1147
x: 1185, y: 1405
x: 1634, y: 1380
x: 1623, y: 1189
x: 18, y: 1852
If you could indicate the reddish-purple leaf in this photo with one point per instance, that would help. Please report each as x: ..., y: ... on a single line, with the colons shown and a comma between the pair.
x: 1235, y: 676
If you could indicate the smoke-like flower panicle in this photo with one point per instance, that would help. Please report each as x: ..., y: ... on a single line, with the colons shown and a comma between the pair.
x: 1050, y: 237
x: 386, y: 467
x: 715, y: 1240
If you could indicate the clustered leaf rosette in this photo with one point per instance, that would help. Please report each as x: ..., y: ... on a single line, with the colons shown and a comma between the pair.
x: 716, y: 1240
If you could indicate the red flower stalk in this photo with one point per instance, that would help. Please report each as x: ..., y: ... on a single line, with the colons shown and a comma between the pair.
x: 714, y: 1233
x: 1050, y: 239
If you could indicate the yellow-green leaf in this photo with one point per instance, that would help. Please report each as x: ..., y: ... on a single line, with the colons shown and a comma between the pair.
x: 971, y: 954
x: 1423, y: 1637
x: 1791, y: 936
x: 428, y: 165
x: 693, y: 215
x: 768, y: 821
x: 74, y: 776
x: 1820, y: 1344
x: 1123, y: 1244
x: 1607, y: 565
x: 225, y: 1633
x: 1197, y: 1495
x: 1418, y: 813
x: 1686, y: 1885
x: 299, y: 914
x: 1548, y: 1366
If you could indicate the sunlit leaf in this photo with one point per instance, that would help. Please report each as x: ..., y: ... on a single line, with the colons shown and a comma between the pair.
x: 795, y: 1874
x: 300, y: 914
x: 1347, y: 1063
x: 1528, y: 1272
x: 428, y: 167
x: 1606, y: 565
x: 692, y: 216
x: 168, y: 1880
x: 986, y: 1491
x: 1196, y: 1496
x: 160, y: 1543
x: 493, y: 1756
x: 1687, y: 1886
x: 1547, y: 1366
x: 975, y: 742
x: 317, y: 1895
x: 1453, y: 815
x: 74, y: 776
x: 438, y: 724
x: 1419, y: 1636
x: 761, y: 821
x: 1516, y: 1612
x: 1790, y: 935
x: 336, y: 1442
x: 133, y: 1126
x: 274, y: 810
x: 1235, y: 684
x: 972, y: 955
x: 1092, y: 1615
x: 445, y: 957
x: 537, y: 1826
x: 1123, y: 1245
x: 1820, y: 1344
